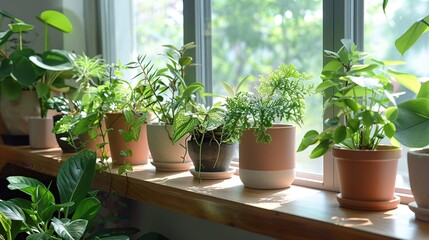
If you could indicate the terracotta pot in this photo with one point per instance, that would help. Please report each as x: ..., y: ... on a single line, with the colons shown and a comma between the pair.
x: 367, y: 177
x: 268, y: 166
x: 89, y: 143
x: 214, y: 157
x: 167, y: 156
x: 15, y: 113
x: 418, y: 167
x: 40, y: 133
x: 140, y: 149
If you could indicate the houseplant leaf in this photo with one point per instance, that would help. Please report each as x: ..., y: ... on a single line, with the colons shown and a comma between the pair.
x: 412, y: 120
x: 57, y: 20
x: 407, y: 40
x: 11, y: 211
x: 87, y: 209
x: 75, y: 176
x: 6, y: 224
x: 407, y: 80
x: 69, y: 230
x: 24, y: 184
x: 53, y: 60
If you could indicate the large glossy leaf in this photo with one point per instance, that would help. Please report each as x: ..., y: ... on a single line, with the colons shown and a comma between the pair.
x: 70, y: 230
x: 57, y: 20
x: 11, y: 211
x: 183, y: 124
x: 43, y: 198
x: 412, y: 123
x: 53, y: 60
x: 75, y: 176
x: 10, y: 88
x: 24, y: 184
x: 407, y: 40
x: 87, y: 209
x: 24, y: 71
x: 407, y: 80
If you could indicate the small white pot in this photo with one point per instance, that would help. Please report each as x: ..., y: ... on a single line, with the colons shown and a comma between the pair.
x: 40, y: 133
x: 418, y: 167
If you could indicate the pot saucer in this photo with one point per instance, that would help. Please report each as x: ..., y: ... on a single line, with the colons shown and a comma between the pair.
x: 172, y: 167
x: 213, y: 175
x: 421, y: 213
x: 368, y: 205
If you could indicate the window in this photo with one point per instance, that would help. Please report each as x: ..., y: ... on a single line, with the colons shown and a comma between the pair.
x: 381, y: 31
x: 243, y: 38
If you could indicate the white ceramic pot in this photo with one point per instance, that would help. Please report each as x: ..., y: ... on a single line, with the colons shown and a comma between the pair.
x: 15, y: 113
x: 167, y: 156
x: 418, y: 168
x: 40, y: 133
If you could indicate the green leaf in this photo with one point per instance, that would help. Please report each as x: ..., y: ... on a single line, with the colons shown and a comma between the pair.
x: 340, y: 134
x: 412, y: 121
x: 43, y: 198
x: 6, y: 224
x: 389, y: 130
x: 392, y: 114
x: 183, y: 124
x: 424, y: 90
x: 75, y: 176
x: 332, y: 66
x: 20, y: 27
x: 351, y: 104
x: 320, y: 149
x: 42, y: 90
x: 353, y: 124
x: 87, y: 209
x: 11, y: 211
x: 407, y: 40
x: 367, y: 118
x: 330, y: 122
x: 57, y: 20
x: 24, y: 184
x: 385, y: 5
x: 325, y: 85
x: 70, y: 230
x: 24, y: 71
x: 407, y: 80
x: 53, y: 60
x: 309, y: 138
x: 10, y: 88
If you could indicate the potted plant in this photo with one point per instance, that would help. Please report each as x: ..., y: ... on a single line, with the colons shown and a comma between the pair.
x: 171, y: 95
x: 26, y: 69
x: 411, y: 122
x: 14, y: 101
x: 212, y: 140
x: 267, y: 149
x: 125, y: 106
x: 84, y: 118
x: 363, y: 95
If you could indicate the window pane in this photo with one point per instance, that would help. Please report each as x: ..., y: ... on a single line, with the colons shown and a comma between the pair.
x: 381, y: 31
x: 157, y: 23
x: 252, y: 38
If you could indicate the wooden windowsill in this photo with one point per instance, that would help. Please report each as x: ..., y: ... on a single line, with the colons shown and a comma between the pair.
x: 293, y: 213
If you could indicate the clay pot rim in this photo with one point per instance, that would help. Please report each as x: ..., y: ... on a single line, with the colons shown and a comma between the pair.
x: 382, y: 153
x: 419, y: 152
x: 380, y: 148
x: 279, y: 126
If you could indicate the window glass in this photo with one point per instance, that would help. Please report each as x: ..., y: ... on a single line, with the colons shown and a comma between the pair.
x: 380, y: 33
x: 157, y: 23
x: 253, y: 37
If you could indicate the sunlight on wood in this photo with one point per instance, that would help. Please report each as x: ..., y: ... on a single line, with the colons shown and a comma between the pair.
x: 352, y: 221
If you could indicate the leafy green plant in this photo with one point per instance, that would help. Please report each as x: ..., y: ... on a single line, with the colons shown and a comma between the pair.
x: 280, y: 95
x: 413, y: 115
x: 43, y: 216
x: 168, y: 85
x: 363, y: 95
x: 26, y: 69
